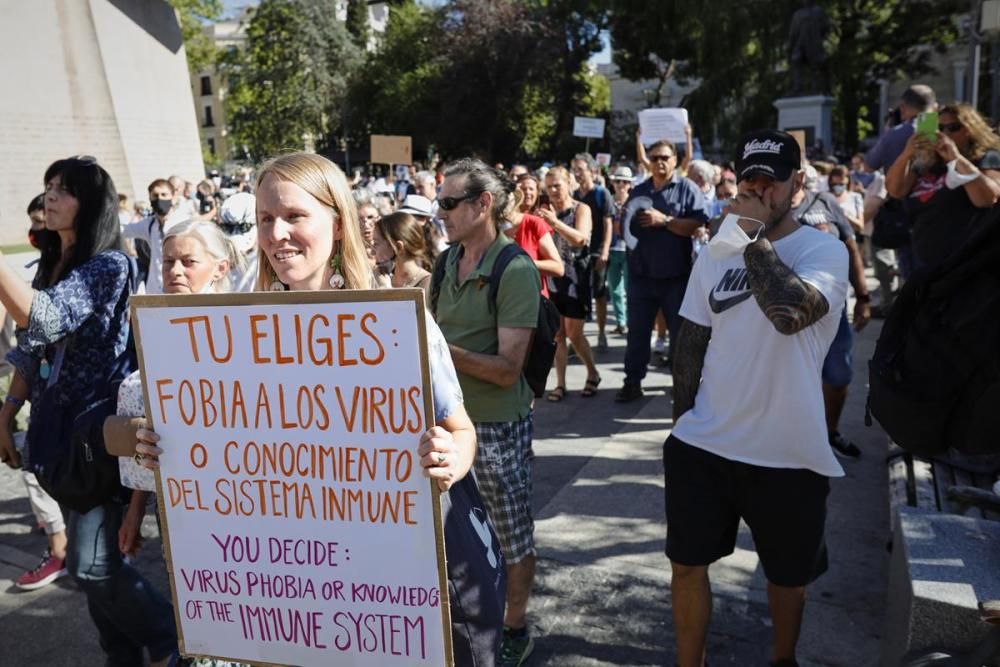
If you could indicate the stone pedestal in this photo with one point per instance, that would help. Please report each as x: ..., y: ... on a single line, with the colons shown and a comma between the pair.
x: 812, y: 114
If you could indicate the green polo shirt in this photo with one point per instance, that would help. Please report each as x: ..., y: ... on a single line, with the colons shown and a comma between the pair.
x: 465, y: 318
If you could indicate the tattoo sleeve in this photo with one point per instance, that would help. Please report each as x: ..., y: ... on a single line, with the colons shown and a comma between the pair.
x: 689, y: 357
x: 790, y: 303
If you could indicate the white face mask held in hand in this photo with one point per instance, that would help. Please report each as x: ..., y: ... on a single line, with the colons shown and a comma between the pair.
x: 954, y: 180
x: 731, y: 238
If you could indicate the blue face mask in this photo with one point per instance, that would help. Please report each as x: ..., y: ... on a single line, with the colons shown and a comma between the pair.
x: 838, y: 189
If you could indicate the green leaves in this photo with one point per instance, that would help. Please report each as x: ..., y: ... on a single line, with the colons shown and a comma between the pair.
x: 193, y: 16
x: 737, y: 52
x: 291, y: 79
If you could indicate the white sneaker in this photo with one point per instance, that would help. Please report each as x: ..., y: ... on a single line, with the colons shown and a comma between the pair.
x: 660, y: 347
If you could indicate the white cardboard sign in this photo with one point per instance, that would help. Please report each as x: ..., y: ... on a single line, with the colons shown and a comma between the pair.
x: 657, y: 124
x: 298, y: 527
x: 592, y: 128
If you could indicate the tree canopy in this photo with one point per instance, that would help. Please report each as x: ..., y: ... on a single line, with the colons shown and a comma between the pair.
x: 736, y: 53
x: 287, y: 86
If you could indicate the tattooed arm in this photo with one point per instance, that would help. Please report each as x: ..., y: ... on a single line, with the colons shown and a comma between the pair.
x: 790, y: 303
x: 689, y: 357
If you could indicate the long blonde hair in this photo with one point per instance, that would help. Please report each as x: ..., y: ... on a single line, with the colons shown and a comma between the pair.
x: 981, y: 135
x: 327, y: 184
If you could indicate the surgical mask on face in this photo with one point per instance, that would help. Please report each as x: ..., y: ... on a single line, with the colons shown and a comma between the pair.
x: 731, y: 239
x: 838, y: 189
x: 162, y: 206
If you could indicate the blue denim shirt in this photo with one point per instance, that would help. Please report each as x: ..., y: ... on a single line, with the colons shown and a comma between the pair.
x: 660, y: 253
x: 80, y: 309
x: 889, y: 146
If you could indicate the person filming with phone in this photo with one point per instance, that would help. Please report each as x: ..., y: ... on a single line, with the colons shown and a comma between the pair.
x: 943, y: 175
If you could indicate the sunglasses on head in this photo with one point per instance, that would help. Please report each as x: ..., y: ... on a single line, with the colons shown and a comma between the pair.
x: 450, y: 203
x: 86, y: 159
x: 660, y: 158
x: 236, y: 227
x: 950, y: 127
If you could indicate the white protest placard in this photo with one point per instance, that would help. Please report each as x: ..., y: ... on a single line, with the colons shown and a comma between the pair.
x: 592, y: 128
x: 603, y: 159
x: 657, y: 124
x: 298, y: 527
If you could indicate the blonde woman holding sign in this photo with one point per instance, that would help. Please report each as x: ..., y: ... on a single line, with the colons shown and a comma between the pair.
x: 310, y: 239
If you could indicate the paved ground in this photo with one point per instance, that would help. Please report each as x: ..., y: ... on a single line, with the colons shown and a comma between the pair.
x: 602, y: 591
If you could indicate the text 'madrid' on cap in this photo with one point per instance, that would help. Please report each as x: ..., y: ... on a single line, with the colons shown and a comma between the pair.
x: 768, y: 152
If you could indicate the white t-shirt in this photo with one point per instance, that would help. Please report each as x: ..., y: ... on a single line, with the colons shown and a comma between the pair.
x: 853, y: 206
x: 760, y: 400
x: 875, y: 195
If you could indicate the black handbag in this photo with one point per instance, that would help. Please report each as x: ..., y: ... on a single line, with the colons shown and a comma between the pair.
x: 84, y: 475
x: 891, y: 226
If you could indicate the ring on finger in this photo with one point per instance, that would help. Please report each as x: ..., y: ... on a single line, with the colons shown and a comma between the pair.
x: 441, y: 458
x: 139, y: 457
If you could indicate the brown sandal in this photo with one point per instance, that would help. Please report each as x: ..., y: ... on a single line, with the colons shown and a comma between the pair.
x: 556, y: 395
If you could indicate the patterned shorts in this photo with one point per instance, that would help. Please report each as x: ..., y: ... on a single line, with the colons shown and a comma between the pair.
x: 503, y: 471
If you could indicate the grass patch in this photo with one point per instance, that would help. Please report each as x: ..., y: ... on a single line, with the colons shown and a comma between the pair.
x: 17, y: 248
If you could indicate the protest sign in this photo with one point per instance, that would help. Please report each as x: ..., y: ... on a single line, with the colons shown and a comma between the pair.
x: 387, y: 149
x: 603, y: 159
x: 591, y: 128
x: 657, y: 124
x: 800, y: 139
x: 298, y: 527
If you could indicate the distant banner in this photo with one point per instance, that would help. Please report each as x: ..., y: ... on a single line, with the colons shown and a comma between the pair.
x: 658, y: 124
x: 592, y: 128
x: 298, y: 527
x: 387, y: 149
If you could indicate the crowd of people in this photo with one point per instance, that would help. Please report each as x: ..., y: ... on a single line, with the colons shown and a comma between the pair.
x: 734, y: 276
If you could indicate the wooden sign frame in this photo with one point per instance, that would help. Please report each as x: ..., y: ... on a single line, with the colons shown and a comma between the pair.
x: 414, y: 295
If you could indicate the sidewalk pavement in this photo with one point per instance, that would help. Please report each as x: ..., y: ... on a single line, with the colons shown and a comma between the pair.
x: 602, y: 592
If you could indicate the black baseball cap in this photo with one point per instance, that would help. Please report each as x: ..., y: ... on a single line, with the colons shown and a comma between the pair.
x: 769, y: 152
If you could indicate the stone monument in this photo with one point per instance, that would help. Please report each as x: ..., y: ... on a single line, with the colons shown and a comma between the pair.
x: 107, y: 78
x: 808, y: 108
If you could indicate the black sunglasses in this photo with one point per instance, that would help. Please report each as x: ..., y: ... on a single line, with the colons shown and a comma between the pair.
x: 232, y: 228
x: 450, y: 203
x: 86, y: 159
x: 660, y: 158
x: 951, y: 127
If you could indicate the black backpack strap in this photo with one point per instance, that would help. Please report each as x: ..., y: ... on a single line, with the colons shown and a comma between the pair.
x: 505, y: 256
x: 437, y: 277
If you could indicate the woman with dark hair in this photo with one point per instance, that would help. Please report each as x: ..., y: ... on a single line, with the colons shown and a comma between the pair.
x: 71, y: 345
x: 944, y: 180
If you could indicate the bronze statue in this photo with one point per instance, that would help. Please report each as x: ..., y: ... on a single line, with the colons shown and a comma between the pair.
x: 806, y: 50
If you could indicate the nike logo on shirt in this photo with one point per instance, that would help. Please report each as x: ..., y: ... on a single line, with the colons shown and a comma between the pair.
x: 720, y: 305
x: 732, y: 280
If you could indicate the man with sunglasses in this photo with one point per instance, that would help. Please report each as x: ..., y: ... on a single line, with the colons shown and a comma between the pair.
x: 489, y: 344
x: 661, y: 215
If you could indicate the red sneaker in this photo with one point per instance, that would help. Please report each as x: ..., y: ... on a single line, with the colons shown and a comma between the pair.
x: 50, y: 569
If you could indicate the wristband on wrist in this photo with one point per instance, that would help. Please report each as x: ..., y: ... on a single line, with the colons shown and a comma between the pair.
x: 16, y: 402
x: 863, y: 298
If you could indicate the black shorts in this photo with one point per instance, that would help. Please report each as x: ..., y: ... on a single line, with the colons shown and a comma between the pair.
x: 707, y: 495
x: 572, y: 298
x: 598, y: 279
